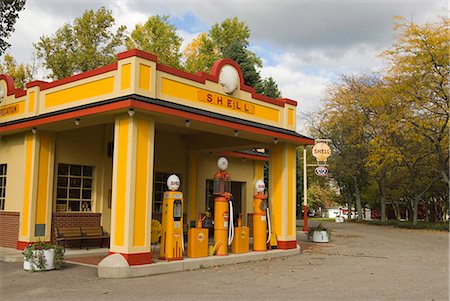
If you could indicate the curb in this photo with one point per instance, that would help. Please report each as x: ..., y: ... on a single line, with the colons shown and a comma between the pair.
x: 106, y: 270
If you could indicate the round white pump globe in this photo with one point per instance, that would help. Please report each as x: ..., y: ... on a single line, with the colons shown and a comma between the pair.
x: 173, y: 182
x: 260, y: 186
x: 222, y: 163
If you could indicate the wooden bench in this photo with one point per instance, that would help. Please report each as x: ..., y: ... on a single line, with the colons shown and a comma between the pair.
x: 81, y: 234
x: 95, y: 232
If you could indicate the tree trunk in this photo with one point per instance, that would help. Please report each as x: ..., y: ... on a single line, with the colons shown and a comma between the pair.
x: 381, y: 182
x: 415, y: 210
x: 397, y: 211
x: 358, y: 199
x: 349, y: 211
x: 410, y: 210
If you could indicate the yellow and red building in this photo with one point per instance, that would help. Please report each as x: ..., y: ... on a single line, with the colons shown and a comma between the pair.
x: 96, y: 149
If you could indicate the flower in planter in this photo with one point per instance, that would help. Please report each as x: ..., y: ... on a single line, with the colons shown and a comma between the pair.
x: 317, y: 228
x: 34, y: 254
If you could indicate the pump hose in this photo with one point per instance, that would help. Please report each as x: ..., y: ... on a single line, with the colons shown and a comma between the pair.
x: 182, y: 241
x: 231, y: 225
x: 268, y: 225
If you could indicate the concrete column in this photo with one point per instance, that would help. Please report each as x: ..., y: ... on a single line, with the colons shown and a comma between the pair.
x: 36, y: 213
x: 132, y: 189
x: 192, y: 199
x: 282, y: 178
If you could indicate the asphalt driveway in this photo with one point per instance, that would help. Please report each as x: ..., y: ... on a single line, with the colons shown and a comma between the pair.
x: 362, y: 262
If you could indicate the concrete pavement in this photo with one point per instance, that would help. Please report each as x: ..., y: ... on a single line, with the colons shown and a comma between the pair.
x: 362, y: 263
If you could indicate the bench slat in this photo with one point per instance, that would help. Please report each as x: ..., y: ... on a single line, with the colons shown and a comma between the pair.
x: 68, y: 232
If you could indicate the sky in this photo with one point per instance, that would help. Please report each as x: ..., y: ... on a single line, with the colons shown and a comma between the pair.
x: 305, y: 45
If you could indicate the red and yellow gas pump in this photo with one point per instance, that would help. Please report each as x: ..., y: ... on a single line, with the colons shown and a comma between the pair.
x: 223, y: 209
x: 171, y: 247
x: 240, y: 242
x: 260, y: 237
x: 198, y: 240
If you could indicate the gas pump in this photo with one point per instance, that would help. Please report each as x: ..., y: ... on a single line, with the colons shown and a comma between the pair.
x: 172, y: 222
x: 223, y: 209
x: 260, y: 212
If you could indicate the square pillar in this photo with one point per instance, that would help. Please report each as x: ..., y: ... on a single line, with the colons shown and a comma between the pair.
x: 36, y: 212
x: 132, y: 189
x: 192, y: 196
x: 282, y: 190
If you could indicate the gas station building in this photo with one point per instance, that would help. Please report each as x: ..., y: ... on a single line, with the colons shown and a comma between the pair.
x: 97, y: 148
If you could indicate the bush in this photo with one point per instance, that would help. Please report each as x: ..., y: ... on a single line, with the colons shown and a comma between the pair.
x: 438, y: 226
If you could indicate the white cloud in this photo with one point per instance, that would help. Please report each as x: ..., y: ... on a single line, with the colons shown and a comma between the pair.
x: 305, y: 45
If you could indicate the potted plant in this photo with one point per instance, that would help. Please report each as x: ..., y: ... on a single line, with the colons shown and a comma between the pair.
x: 319, y: 233
x: 42, y: 256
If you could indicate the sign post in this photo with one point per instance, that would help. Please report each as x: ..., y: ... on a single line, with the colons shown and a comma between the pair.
x: 321, y: 151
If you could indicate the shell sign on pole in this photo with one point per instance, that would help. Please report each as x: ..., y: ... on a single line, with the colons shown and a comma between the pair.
x: 321, y: 151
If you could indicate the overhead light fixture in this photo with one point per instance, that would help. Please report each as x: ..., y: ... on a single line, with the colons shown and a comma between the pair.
x: 187, y: 123
x: 275, y: 140
x: 131, y: 112
x: 77, y: 121
x: 236, y: 133
x: 34, y: 130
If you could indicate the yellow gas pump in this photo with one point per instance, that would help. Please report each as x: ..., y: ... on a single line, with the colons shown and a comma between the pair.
x: 240, y: 242
x: 260, y: 218
x: 171, y: 247
x: 223, y: 209
x: 198, y: 240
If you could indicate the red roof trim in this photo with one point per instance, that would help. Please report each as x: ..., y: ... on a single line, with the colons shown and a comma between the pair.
x: 20, y: 93
x: 36, y: 83
x: 215, y: 71
x: 214, y: 121
x: 289, y: 101
x: 201, y: 77
x: 155, y: 108
x: 138, y: 53
x: 181, y: 73
x: 73, y: 78
x: 247, y: 156
x: 69, y: 115
x: 10, y: 88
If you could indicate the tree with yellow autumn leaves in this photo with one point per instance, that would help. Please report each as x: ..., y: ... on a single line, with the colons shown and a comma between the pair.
x: 392, y: 129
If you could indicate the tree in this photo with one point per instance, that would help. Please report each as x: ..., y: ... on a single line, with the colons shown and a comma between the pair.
x: 347, y: 121
x: 392, y: 129
x: 200, y: 54
x: 419, y: 69
x: 240, y: 55
x: 268, y: 87
x: 418, y: 72
x: 9, y: 12
x: 159, y: 37
x: 21, y: 74
x: 88, y: 43
x: 230, y: 31
x: 229, y: 39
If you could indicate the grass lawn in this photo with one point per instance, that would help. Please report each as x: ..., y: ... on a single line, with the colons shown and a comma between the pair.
x: 439, y: 226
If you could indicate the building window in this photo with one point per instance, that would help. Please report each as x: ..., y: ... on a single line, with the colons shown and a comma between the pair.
x: 2, y: 186
x: 160, y: 185
x: 74, y: 188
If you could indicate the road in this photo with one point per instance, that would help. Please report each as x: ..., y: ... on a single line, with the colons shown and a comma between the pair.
x: 362, y: 262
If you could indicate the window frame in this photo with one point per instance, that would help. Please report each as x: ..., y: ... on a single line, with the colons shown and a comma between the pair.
x: 3, y: 177
x: 74, y: 188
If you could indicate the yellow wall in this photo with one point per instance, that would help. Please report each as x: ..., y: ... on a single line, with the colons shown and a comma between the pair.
x: 170, y: 154
x: 89, y: 146
x: 12, y: 153
x: 239, y: 171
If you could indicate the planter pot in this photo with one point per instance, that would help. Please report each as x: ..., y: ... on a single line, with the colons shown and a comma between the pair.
x: 339, y: 219
x: 320, y: 236
x: 49, y: 256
